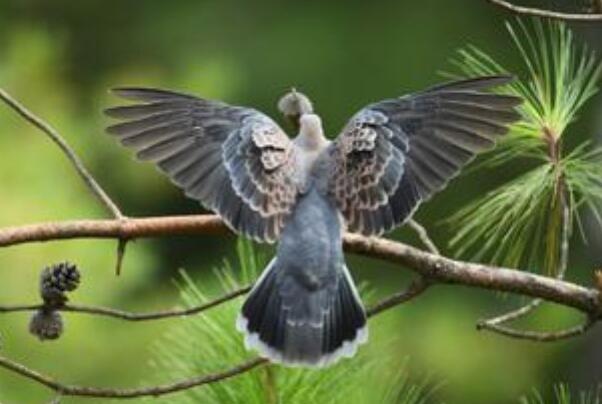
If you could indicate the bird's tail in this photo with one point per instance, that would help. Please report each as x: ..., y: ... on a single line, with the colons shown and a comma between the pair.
x: 299, y: 321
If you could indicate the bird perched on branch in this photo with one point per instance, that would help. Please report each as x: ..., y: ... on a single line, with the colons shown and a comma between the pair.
x: 305, y: 192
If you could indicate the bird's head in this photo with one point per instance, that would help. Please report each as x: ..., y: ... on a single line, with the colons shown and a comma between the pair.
x: 293, y: 105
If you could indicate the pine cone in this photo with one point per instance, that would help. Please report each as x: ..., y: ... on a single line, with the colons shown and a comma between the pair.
x: 56, y: 280
x: 46, y: 324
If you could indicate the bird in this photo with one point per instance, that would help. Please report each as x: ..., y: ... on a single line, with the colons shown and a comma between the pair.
x: 305, y: 192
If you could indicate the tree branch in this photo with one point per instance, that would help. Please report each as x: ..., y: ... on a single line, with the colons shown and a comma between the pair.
x: 415, y: 289
x: 79, y: 166
x: 536, y: 12
x: 131, y: 316
x: 538, y: 336
x: 63, y: 389
x: 440, y: 269
x: 423, y: 236
x: 73, y: 390
x: 130, y: 228
x: 437, y: 268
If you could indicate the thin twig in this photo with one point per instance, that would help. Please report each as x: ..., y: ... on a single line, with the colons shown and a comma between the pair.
x: 131, y: 316
x: 536, y: 12
x: 79, y: 166
x: 416, y: 288
x: 424, y: 236
x: 538, y: 336
x: 72, y: 390
x: 511, y: 315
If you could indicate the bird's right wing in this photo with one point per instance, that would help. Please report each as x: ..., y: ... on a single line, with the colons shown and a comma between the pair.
x: 395, y: 153
x: 234, y: 160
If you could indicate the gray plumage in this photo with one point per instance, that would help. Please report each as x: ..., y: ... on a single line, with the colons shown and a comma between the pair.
x: 305, y: 310
x: 392, y: 155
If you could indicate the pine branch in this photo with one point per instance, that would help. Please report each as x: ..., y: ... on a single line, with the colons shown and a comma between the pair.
x: 564, y: 211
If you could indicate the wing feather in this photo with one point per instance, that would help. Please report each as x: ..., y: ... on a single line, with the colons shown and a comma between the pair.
x: 396, y: 153
x: 236, y: 161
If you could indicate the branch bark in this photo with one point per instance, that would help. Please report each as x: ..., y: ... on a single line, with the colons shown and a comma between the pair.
x: 435, y: 267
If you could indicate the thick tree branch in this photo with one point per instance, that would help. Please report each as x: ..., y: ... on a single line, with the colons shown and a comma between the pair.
x: 130, y: 228
x: 437, y: 268
x: 536, y: 12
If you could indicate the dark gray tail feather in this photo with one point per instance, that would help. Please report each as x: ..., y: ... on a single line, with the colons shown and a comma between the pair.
x: 290, y: 322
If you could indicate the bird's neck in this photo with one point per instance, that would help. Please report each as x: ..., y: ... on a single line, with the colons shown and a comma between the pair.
x: 311, y: 136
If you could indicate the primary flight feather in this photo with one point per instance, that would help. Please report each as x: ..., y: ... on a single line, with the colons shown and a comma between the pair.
x: 306, y: 192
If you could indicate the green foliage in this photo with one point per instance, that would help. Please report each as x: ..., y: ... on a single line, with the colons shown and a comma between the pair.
x: 583, y: 176
x: 209, y: 342
x: 519, y: 223
x: 562, y: 395
x: 60, y: 63
x: 560, y: 76
x: 508, y: 221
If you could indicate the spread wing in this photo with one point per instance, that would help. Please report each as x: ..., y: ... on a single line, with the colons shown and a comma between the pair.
x: 396, y: 153
x: 236, y: 161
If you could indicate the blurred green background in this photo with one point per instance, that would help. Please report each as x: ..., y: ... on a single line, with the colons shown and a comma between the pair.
x: 60, y: 57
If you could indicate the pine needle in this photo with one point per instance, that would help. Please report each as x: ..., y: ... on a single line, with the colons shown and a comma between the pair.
x: 209, y: 342
x: 519, y: 223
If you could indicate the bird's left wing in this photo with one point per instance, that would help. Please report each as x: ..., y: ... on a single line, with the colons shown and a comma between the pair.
x: 396, y: 153
x: 236, y: 161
